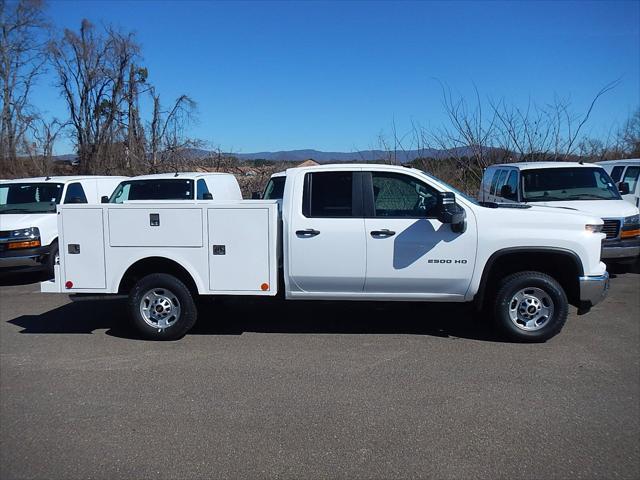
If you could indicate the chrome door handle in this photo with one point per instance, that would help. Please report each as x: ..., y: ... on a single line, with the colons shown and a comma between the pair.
x: 383, y: 233
x: 309, y: 232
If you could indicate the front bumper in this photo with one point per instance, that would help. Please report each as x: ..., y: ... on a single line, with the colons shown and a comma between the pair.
x: 621, y: 249
x: 593, y: 289
x: 24, y: 259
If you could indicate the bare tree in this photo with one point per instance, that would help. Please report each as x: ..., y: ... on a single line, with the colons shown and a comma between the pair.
x: 168, y: 143
x: 92, y: 70
x: 22, y: 59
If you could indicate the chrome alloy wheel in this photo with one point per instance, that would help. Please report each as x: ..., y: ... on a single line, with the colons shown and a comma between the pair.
x: 160, y: 308
x: 530, y: 309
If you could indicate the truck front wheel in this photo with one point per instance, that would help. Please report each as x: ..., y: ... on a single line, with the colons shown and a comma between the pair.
x: 530, y: 307
x: 162, y: 307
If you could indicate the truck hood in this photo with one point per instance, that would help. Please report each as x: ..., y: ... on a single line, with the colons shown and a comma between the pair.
x: 597, y: 208
x: 47, y: 223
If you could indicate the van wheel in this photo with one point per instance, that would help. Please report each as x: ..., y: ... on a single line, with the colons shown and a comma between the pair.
x: 530, y: 307
x: 162, y: 307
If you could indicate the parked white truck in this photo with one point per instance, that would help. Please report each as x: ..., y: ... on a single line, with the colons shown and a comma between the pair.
x: 349, y: 232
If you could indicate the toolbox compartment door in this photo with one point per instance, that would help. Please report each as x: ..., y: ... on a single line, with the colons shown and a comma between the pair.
x: 82, y: 247
x: 239, y: 250
x: 155, y: 227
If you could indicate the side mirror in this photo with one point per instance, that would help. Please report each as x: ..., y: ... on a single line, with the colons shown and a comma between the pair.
x: 207, y: 196
x: 256, y: 196
x: 104, y: 199
x: 451, y: 213
x: 623, y: 188
x: 506, y: 191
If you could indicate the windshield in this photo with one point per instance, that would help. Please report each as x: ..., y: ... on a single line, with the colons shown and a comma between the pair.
x: 30, y: 197
x: 274, y: 189
x: 162, y: 189
x: 577, y: 183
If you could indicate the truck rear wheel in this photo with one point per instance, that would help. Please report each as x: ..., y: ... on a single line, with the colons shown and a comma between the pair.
x: 530, y: 307
x: 162, y: 307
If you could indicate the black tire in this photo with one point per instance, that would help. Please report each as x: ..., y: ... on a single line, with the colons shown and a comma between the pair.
x: 168, y: 291
x: 534, y: 285
x: 51, y: 260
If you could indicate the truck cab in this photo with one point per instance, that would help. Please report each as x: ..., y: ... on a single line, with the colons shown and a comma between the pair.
x: 570, y: 185
x: 28, y: 223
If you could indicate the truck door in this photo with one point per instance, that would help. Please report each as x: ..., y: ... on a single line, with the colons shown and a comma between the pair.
x: 408, y: 250
x: 326, y: 243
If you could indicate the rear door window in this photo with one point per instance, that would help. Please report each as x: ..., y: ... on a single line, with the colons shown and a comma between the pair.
x: 328, y: 194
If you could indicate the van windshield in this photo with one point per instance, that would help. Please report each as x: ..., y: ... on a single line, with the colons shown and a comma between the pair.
x: 160, y: 189
x: 30, y: 197
x: 560, y: 184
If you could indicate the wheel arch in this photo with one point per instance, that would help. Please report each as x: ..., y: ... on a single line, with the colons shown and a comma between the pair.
x: 562, y: 264
x: 156, y: 264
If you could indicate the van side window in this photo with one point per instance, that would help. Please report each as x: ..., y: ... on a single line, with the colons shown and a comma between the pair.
x: 494, y: 181
x: 75, y: 194
x: 202, y: 189
x: 328, y: 194
x: 631, y: 177
x: 616, y: 173
x: 396, y: 195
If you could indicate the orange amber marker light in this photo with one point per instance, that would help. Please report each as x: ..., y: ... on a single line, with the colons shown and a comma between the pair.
x: 264, y: 287
x: 27, y: 244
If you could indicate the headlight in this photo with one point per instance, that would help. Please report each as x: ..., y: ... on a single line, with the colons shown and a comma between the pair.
x: 632, y: 219
x: 24, y: 233
x: 23, y: 238
x: 631, y: 227
x: 593, y: 228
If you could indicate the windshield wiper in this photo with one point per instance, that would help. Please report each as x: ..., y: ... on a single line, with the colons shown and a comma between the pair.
x: 14, y: 210
x: 584, y: 196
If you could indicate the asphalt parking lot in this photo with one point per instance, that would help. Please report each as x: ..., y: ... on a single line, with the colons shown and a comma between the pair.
x: 315, y: 390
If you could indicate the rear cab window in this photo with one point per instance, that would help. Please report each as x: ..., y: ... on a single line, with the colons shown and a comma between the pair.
x: 328, y: 195
x: 274, y: 189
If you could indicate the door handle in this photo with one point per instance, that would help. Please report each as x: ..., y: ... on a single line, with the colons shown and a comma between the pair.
x: 309, y: 232
x: 383, y: 233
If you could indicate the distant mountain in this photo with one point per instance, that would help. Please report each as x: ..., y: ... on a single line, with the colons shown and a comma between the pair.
x: 195, y: 154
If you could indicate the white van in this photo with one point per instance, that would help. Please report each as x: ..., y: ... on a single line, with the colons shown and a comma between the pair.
x: 28, y: 224
x: 625, y: 172
x: 584, y: 187
x: 177, y: 186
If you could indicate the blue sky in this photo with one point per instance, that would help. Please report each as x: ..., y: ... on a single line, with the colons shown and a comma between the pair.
x: 333, y: 75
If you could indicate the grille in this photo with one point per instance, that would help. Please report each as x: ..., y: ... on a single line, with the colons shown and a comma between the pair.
x: 611, y: 228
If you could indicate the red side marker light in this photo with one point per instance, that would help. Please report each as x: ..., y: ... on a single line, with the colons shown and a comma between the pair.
x: 68, y: 284
x: 264, y: 287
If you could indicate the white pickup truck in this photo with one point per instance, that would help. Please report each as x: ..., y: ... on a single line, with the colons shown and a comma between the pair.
x: 348, y: 232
